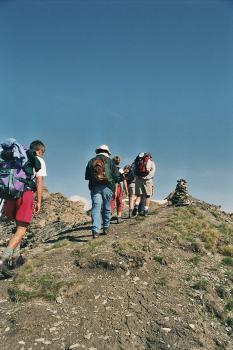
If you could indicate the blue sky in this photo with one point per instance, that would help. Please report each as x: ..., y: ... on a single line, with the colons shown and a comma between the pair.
x: 139, y: 76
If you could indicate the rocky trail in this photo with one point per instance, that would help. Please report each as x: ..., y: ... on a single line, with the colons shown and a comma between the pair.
x: 154, y: 283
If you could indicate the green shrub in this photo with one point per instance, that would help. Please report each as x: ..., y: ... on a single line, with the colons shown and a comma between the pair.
x: 227, y: 261
x: 229, y: 306
x: 229, y: 322
x: 159, y: 259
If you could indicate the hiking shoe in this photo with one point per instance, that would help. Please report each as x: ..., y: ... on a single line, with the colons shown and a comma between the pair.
x: 106, y: 231
x: 5, y: 269
x: 18, y: 261
x: 135, y: 211
x: 95, y: 235
x: 145, y: 213
x: 119, y: 220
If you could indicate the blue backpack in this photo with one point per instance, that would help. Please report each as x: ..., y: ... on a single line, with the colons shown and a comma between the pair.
x: 16, y: 169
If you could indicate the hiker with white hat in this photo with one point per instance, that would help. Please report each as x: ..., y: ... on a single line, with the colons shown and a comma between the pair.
x: 103, y: 175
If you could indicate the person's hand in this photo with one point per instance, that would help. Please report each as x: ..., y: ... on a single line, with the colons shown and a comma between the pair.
x: 36, y: 208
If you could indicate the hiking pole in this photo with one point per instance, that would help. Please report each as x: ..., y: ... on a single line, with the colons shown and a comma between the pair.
x: 1, y: 206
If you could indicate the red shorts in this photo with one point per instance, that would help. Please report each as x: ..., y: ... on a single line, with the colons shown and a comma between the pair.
x: 20, y: 209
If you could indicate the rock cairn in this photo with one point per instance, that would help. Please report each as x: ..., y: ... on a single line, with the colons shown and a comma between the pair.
x: 180, y: 196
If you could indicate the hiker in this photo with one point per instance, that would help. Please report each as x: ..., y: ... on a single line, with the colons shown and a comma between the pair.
x: 130, y: 179
x: 118, y: 195
x: 144, y: 169
x: 103, y: 175
x: 29, y: 170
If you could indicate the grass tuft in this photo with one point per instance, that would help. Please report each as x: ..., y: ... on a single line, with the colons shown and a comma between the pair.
x: 202, y: 284
x: 159, y: 259
x: 195, y: 260
x: 227, y: 261
x: 229, y: 306
x: 126, y: 246
x: 46, y: 286
x: 229, y: 322
x: 227, y: 250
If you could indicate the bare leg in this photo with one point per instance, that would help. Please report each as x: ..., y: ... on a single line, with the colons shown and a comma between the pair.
x: 21, y: 228
x: 131, y: 201
x: 147, y: 202
x: 138, y: 200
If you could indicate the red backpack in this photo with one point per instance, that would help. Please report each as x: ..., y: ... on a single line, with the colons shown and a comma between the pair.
x: 141, y: 165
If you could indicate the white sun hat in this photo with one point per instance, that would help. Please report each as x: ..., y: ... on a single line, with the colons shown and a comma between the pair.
x: 103, y: 148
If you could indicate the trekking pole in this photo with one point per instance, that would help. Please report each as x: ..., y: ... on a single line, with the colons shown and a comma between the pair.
x: 1, y: 206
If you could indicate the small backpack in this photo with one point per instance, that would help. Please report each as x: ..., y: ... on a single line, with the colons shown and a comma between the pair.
x: 141, y: 165
x: 130, y: 177
x: 16, y: 170
x: 98, y: 170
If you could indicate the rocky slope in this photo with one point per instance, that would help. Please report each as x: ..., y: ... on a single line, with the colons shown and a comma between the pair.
x: 155, y: 283
x: 57, y: 214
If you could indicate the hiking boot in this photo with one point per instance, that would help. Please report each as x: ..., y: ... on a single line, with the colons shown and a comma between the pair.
x: 95, y: 234
x: 18, y: 261
x: 106, y: 231
x: 146, y: 213
x: 119, y: 219
x: 130, y: 213
x: 135, y: 211
x: 5, y: 268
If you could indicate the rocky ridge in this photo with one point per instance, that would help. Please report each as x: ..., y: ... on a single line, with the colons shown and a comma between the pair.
x: 155, y: 283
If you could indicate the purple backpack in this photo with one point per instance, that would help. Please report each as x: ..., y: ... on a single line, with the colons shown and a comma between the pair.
x: 13, y: 178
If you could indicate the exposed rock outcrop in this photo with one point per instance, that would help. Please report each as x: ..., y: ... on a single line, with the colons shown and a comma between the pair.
x: 57, y: 214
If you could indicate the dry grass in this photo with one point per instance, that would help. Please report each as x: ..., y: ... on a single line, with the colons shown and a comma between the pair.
x: 126, y: 246
x: 190, y: 223
x: 227, y: 250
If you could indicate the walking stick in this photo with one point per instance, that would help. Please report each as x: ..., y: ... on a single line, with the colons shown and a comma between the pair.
x: 1, y: 206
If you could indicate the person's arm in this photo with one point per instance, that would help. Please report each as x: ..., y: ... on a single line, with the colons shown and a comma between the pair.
x: 39, y: 193
x: 39, y: 185
x: 87, y: 172
x: 151, y: 166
